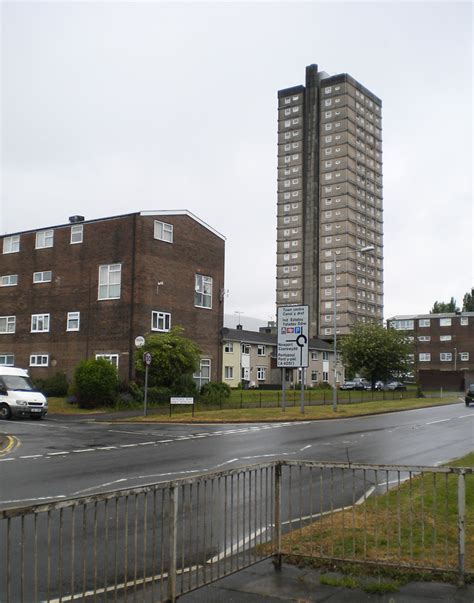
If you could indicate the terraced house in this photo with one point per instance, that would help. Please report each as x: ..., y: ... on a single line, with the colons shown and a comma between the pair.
x: 87, y: 289
x: 249, y: 359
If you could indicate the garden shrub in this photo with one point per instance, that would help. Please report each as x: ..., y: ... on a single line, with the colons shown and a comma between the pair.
x: 95, y: 383
x: 214, y: 392
x: 56, y: 385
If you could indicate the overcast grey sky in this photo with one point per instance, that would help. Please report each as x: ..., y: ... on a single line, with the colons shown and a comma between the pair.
x: 110, y: 107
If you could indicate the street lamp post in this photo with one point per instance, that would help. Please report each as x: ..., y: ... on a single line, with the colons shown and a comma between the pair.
x: 334, y: 391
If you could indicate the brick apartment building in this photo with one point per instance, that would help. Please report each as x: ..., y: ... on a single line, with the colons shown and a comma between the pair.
x: 88, y: 288
x: 443, y: 347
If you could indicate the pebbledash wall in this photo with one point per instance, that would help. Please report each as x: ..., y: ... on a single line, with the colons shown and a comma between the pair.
x: 89, y: 288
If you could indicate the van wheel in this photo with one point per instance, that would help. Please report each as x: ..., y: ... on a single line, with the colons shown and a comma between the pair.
x: 5, y: 412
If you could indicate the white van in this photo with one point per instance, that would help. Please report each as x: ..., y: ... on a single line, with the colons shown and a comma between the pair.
x: 18, y: 397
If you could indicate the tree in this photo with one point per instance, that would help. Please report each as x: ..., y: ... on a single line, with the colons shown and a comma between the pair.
x: 468, y: 302
x: 444, y: 307
x: 174, y: 360
x: 375, y: 352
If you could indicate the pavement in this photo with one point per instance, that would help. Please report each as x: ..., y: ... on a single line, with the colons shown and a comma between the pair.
x: 263, y: 583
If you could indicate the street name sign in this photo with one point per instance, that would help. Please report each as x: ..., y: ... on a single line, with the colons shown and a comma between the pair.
x: 181, y: 400
x: 293, y: 338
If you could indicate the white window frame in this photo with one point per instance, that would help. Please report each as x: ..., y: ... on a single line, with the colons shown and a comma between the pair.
x: 112, y: 358
x: 204, y: 363
x: 10, y: 324
x: 8, y: 280
x: 73, y: 321
x: 444, y: 322
x: 464, y: 321
x: 44, y: 239
x: 245, y: 348
x: 228, y: 372
x: 39, y: 360
x: 46, y: 276
x: 229, y: 347
x: 203, y: 291
x: 163, y: 231
x: 464, y: 356
x: 7, y: 359
x: 77, y: 234
x: 445, y: 337
x: 261, y: 373
x: 160, y: 321
x: 106, y: 274
x: 11, y: 244
x: 40, y: 323
x: 446, y: 357
x: 424, y: 357
x: 260, y: 349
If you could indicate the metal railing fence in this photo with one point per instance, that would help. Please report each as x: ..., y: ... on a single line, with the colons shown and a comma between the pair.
x: 159, y: 541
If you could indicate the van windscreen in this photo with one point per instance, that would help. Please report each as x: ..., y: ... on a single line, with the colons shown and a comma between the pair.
x: 18, y: 383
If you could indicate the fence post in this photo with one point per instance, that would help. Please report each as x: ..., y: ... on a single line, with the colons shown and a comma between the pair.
x: 277, y: 518
x: 461, y: 526
x: 173, y: 533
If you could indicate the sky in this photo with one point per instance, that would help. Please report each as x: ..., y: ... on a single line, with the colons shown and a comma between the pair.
x: 117, y: 107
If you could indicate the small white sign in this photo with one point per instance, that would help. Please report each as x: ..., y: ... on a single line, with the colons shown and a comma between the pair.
x: 139, y: 341
x: 181, y: 401
x: 293, y: 336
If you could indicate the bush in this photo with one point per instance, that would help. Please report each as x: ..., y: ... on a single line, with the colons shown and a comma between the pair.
x: 56, y: 385
x: 214, y: 392
x: 322, y: 385
x: 95, y: 383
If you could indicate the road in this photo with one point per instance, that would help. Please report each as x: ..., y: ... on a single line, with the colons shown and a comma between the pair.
x: 58, y: 458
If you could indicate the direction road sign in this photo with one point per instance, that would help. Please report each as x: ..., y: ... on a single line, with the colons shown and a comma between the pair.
x: 293, y: 336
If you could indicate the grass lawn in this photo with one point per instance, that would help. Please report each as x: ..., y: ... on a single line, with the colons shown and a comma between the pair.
x: 292, y: 413
x: 414, y: 525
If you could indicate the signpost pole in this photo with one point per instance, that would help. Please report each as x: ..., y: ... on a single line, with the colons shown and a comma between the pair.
x: 145, y: 396
x: 302, y: 389
x: 283, y: 388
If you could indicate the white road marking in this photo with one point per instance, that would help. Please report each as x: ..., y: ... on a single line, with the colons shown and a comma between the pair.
x: 85, y: 450
x: 225, y: 463
x: 32, y: 456
x: 106, y: 448
x: 40, y: 498
x: 464, y: 416
x: 5, y: 460
x: 440, y: 421
x: 56, y: 453
x: 163, y: 441
x: 124, y: 479
x: 128, y: 445
x: 305, y: 447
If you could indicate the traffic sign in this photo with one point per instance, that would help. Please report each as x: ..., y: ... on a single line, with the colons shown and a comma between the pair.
x: 139, y: 341
x: 147, y: 358
x: 293, y: 336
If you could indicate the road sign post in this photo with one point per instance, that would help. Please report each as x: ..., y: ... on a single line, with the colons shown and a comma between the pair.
x: 146, y: 361
x: 293, y: 343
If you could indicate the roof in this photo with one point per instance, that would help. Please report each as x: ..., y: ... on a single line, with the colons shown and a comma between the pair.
x: 169, y: 212
x: 266, y: 338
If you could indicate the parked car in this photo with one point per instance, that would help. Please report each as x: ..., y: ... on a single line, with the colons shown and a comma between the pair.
x: 361, y: 383
x: 469, y: 394
x: 18, y: 397
x: 395, y: 386
x: 348, y: 385
x: 379, y: 385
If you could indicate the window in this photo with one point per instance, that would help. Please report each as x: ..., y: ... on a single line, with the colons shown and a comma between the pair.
x: 76, y: 234
x: 464, y: 321
x: 7, y: 324
x: 229, y: 347
x: 446, y: 356
x: 314, y: 355
x: 44, y: 239
x: 325, y: 355
x: 325, y: 376
x: 42, y: 277
x: 402, y: 325
x: 160, y: 321
x: 9, y: 280
x: 261, y: 371
x: 286, y: 269
x: 228, y: 372
x: 424, y: 322
x: 444, y: 322
x: 39, y: 360
x: 202, y: 291
x: 73, y: 321
x: 245, y: 348
x: 463, y: 356
x: 112, y: 358
x: 11, y: 244
x: 424, y: 357
x: 260, y: 350
x: 163, y: 231
x: 314, y: 376
x: 7, y: 360
x: 204, y: 374
x: 445, y: 337
x: 39, y: 323
x: 424, y: 338
x: 110, y: 276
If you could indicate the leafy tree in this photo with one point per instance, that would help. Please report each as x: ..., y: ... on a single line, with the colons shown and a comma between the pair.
x: 468, y: 302
x: 95, y: 383
x: 443, y: 307
x: 174, y: 360
x: 375, y: 352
